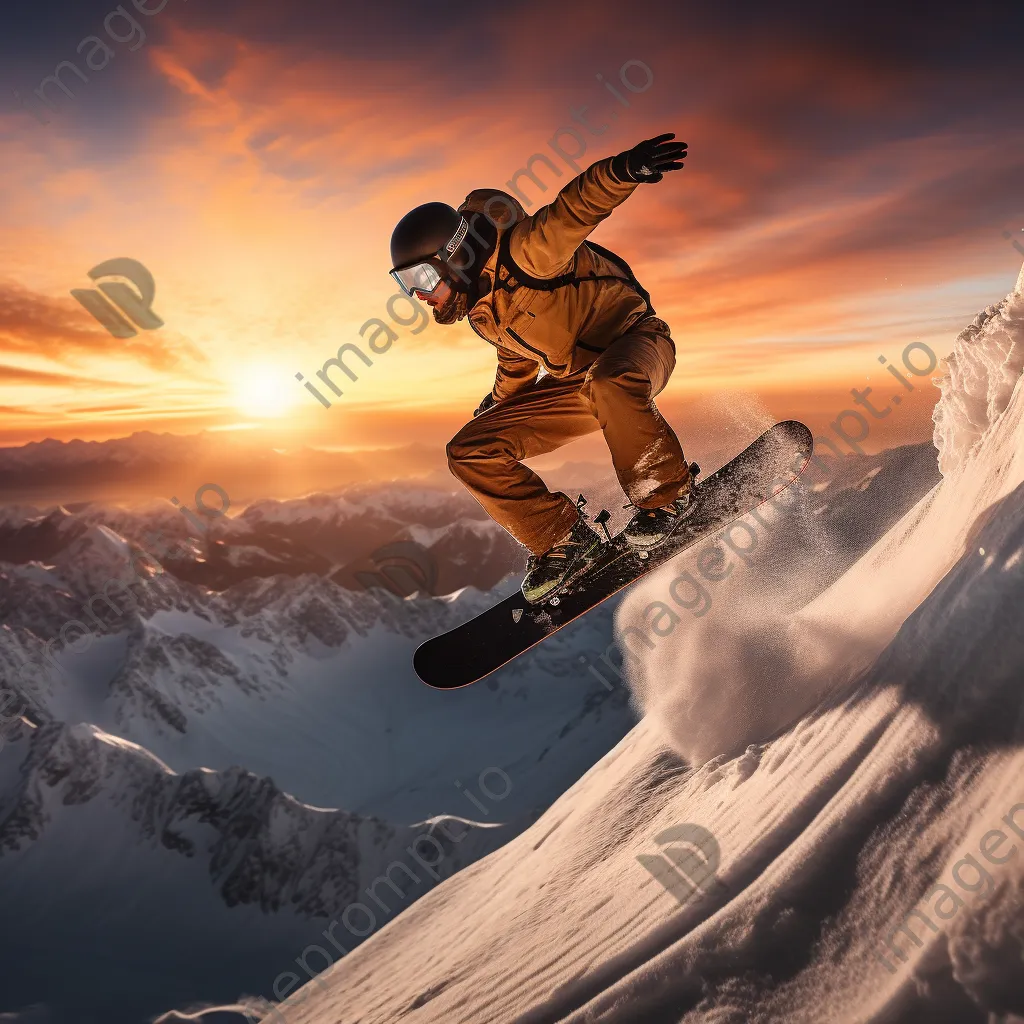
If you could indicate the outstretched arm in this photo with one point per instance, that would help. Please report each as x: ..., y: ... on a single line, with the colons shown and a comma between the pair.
x: 544, y: 244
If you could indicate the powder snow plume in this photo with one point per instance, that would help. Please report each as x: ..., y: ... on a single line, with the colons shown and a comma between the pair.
x: 797, y: 619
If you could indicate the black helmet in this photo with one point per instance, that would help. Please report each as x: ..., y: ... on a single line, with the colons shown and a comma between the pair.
x: 422, y: 245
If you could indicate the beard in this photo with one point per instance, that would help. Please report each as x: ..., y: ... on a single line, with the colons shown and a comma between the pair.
x: 454, y: 308
x: 466, y: 293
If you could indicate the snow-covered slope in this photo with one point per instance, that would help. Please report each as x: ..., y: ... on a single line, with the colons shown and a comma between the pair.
x: 838, y: 749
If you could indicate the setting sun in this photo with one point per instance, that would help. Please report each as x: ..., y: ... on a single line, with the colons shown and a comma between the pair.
x: 262, y: 391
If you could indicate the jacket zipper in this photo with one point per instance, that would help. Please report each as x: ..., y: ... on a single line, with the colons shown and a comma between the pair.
x: 544, y: 359
x: 551, y: 367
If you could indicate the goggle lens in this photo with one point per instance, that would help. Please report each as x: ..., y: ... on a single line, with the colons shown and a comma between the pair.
x: 421, y: 277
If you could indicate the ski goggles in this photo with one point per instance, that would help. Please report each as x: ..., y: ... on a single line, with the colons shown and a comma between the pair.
x: 425, y: 275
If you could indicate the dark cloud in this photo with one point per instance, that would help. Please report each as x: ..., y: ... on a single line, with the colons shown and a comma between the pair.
x: 943, y: 57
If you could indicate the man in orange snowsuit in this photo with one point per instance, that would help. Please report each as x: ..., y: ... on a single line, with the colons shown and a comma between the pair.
x: 579, y: 349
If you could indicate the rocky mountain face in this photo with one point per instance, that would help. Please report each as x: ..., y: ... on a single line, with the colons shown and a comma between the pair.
x: 259, y: 845
x: 98, y: 829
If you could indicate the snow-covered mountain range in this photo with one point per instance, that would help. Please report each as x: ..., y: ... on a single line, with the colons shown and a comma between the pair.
x: 298, y: 671
x: 145, y: 463
x: 168, y: 775
x: 171, y: 876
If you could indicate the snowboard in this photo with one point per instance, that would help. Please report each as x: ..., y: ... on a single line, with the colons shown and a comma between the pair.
x: 482, y: 645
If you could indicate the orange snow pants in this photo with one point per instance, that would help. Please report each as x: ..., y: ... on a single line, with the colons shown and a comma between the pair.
x: 615, y: 394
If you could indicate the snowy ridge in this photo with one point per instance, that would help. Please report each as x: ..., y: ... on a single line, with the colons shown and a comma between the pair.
x: 187, y: 865
x: 978, y: 378
x: 288, y: 854
x: 404, y: 503
x: 328, y: 534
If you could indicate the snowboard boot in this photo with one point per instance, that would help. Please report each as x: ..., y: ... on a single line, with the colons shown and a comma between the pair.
x: 565, y: 560
x: 650, y: 527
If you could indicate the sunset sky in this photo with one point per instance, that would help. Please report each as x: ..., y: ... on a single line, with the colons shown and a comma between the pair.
x: 850, y: 183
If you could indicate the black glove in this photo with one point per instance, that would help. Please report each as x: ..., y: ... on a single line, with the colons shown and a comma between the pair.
x: 484, y: 405
x: 648, y: 161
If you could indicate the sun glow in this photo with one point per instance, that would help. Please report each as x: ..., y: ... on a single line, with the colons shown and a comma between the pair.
x: 262, y: 391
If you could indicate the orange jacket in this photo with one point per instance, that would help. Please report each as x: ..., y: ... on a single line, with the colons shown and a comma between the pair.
x: 565, y: 329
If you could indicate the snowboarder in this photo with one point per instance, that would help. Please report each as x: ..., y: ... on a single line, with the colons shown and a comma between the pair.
x: 579, y: 349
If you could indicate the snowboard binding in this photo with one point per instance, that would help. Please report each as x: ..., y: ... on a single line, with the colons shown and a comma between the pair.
x: 653, y: 528
x: 549, y: 574
x: 609, y: 549
x: 596, y: 559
